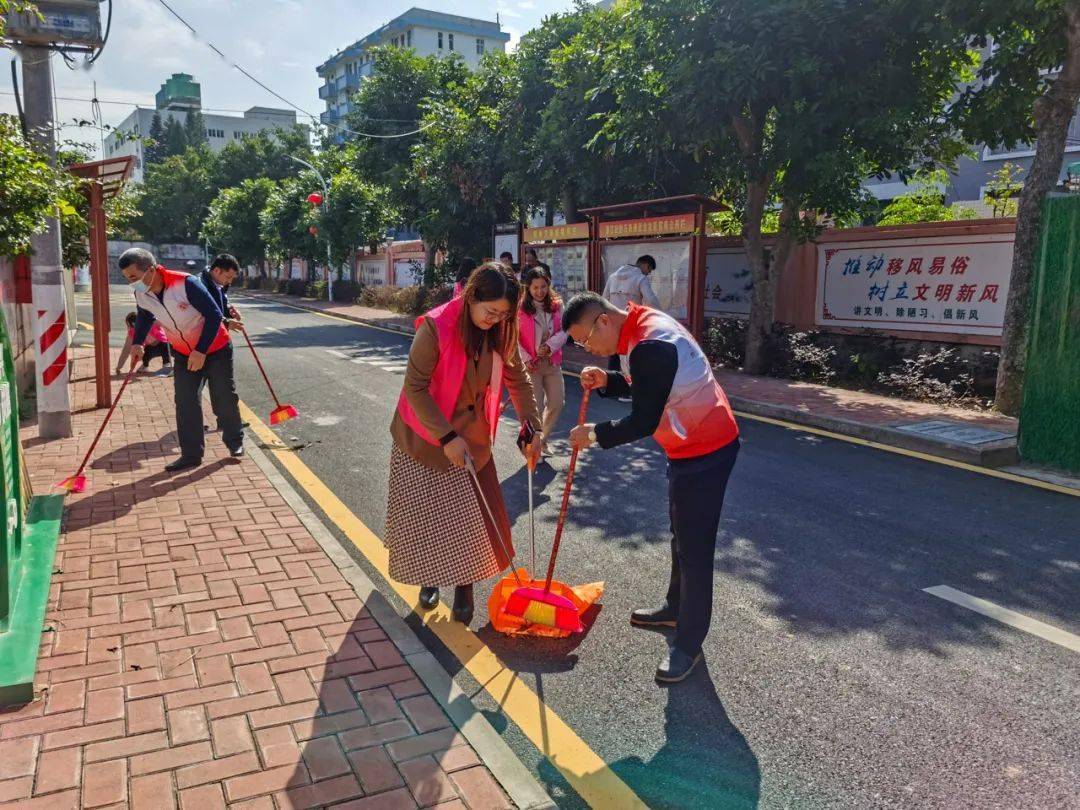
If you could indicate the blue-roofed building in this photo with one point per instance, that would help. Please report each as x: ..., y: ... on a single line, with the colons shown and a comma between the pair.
x: 429, y: 33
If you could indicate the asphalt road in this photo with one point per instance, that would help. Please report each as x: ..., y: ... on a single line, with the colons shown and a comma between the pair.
x: 832, y: 679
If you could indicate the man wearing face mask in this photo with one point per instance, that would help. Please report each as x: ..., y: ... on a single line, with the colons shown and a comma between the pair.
x: 197, y: 333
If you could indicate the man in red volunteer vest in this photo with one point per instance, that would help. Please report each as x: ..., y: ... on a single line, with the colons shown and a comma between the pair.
x: 678, y: 402
x: 200, y: 343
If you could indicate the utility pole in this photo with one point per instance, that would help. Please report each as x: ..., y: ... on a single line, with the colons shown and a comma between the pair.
x: 326, y: 206
x: 46, y: 263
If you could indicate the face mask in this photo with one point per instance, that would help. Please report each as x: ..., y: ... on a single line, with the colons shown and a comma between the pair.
x: 140, y: 286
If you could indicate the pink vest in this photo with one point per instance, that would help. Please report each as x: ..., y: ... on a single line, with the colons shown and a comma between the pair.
x: 449, y: 373
x: 527, y: 333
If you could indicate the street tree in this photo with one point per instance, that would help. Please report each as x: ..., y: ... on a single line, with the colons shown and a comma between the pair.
x: 29, y: 189
x: 176, y: 196
x: 390, y: 101
x: 264, y: 154
x: 1028, y: 89
x: 356, y: 214
x: 195, y: 129
x: 286, y: 219
x: 787, y: 104
x: 232, y: 222
x: 175, y: 141
x: 155, y: 149
x: 924, y: 202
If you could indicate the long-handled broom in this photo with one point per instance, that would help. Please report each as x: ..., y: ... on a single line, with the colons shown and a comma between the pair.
x: 282, y: 413
x: 77, y: 482
x: 543, y: 606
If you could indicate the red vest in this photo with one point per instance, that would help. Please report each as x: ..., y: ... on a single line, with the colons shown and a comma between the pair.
x: 183, y: 324
x: 449, y: 372
x: 697, y: 419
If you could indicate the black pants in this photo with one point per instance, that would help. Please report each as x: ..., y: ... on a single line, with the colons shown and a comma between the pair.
x: 613, y: 363
x: 695, y: 496
x: 217, y: 372
x: 157, y: 350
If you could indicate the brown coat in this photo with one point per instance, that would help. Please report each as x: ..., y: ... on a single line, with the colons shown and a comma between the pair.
x: 468, y: 419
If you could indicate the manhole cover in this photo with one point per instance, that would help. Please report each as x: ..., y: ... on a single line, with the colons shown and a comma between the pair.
x: 955, y: 432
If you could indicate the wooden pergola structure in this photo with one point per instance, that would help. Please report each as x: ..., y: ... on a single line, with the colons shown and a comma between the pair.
x: 106, y: 179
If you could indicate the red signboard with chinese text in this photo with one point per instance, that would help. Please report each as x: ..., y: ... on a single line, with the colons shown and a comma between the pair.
x: 649, y: 226
x: 557, y: 233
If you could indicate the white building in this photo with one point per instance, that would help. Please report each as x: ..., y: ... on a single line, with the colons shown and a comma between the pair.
x: 428, y: 33
x: 176, y: 98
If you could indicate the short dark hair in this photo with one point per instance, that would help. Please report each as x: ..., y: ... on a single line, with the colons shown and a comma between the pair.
x: 130, y: 319
x: 465, y: 268
x: 506, y: 254
x: 225, y: 261
x: 583, y: 305
x: 140, y: 257
x: 649, y: 260
x: 531, y: 252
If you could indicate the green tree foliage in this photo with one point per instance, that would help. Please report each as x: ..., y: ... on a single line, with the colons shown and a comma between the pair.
x: 788, y: 101
x: 264, y: 154
x: 393, y: 100
x: 1028, y: 89
x: 175, y: 141
x: 1001, y: 192
x: 29, y: 189
x: 460, y: 160
x: 176, y: 196
x: 195, y: 129
x: 232, y: 223
x: 925, y: 202
x: 286, y: 218
x: 356, y: 214
x: 155, y: 149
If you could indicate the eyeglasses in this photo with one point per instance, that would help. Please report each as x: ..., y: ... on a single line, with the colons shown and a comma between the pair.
x: 495, y: 315
x: 589, y: 336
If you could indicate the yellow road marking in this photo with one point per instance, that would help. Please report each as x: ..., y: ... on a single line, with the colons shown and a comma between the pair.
x: 948, y: 462
x: 85, y: 325
x: 582, y: 767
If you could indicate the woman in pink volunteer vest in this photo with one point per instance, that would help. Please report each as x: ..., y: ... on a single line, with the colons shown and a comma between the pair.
x: 542, y: 338
x: 464, y: 351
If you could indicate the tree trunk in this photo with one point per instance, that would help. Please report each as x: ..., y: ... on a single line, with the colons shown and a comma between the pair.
x: 760, y: 324
x: 1053, y: 112
x: 570, y: 204
x: 549, y: 212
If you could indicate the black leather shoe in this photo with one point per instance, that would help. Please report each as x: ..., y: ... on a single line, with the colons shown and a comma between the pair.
x: 654, y: 617
x: 237, y: 452
x: 429, y: 598
x: 463, y: 604
x: 676, y: 666
x: 182, y: 463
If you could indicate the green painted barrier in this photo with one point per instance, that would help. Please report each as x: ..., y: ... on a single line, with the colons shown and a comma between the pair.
x: 1049, y: 425
x: 27, y: 550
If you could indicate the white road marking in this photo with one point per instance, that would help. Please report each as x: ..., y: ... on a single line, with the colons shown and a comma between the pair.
x: 1068, y: 640
x: 336, y: 353
x: 274, y: 329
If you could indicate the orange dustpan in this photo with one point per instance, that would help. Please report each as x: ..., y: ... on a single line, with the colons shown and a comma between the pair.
x: 555, y: 606
x: 282, y: 413
x: 77, y: 482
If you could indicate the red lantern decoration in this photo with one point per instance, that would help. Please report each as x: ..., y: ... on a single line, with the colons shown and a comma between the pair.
x: 314, y: 198
x: 314, y: 231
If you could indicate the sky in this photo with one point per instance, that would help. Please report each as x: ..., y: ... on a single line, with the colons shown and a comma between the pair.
x: 278, y: 41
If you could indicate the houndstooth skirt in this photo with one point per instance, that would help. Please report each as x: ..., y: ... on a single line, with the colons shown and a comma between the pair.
x: 436, y: 532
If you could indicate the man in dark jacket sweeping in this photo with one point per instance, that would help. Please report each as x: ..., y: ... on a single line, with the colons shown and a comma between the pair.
x: 679, y: 403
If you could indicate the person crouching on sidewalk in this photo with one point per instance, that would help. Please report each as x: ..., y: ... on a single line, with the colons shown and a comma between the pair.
x: 437, y: 531
x: 542, y: 338
x: 155, y: 345
x: 679, y: 403
x: 204, y: 355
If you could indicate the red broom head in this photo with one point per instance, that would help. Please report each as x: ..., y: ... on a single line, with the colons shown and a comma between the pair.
x: 74, y: 483
x: 282, y: 413
x: 541, y: 607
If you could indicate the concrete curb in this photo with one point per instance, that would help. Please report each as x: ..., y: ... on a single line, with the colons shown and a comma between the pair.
x: 520, y: 785
x: 993, y: 454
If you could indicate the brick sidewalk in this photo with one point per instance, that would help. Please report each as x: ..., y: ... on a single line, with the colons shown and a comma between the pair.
x: 203, y: 651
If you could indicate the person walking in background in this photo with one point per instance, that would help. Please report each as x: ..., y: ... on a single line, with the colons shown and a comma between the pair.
x: 155, y: 345
x: 196, y: 332
x: 541, y: 339
x: 464, y: 351
x: 630, y: 284
x: 506, y: 259
x: 680, y: 404
x: 465, y: 269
